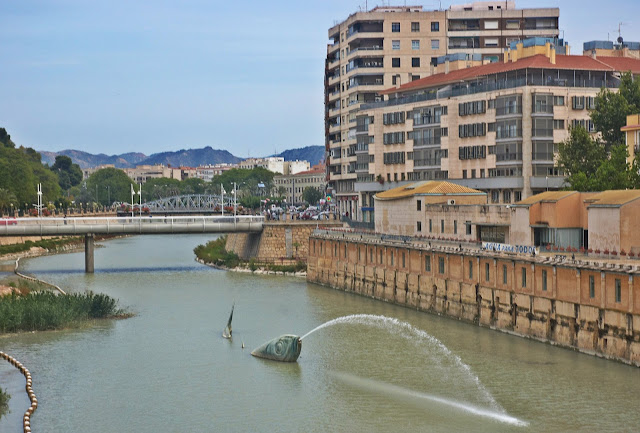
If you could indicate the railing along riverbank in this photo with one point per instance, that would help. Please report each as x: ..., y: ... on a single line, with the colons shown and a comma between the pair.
x: 26, y: 277
x: 26, y: 418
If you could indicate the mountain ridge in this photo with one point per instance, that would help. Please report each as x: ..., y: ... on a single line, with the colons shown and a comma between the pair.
x: 182, y: 157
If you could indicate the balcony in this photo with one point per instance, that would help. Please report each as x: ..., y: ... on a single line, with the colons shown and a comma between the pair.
x: 366, y: 50
x: 508, y: 157
x: 510, y: 110
x: 538, y: 133
x: 464, y: 25
x: 426, y: 141
x: 543, y: 156
x: 365, y: 27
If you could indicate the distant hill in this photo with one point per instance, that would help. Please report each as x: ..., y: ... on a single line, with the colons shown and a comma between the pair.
x: 192, y: 157
x: 313, y: 154
x: 183, y: 157
x: 86, y: 160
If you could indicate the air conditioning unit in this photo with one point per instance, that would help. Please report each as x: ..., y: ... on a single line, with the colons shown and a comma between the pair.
x: 451, y: 202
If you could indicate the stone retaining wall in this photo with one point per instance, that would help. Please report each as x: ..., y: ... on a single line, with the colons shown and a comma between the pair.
x: 279, y: 242
x: 592, y: 309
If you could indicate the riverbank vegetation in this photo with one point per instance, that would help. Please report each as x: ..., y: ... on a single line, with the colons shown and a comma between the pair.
x: 53, y: 244
x: 4, y: 402
x: 44, y: 310
x: 214, y: 253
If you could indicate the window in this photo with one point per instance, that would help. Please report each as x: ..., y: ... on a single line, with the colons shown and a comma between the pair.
x: 427, y: 263
x: 380, y: 256
x: 470, y: 269
x: 592, y: 287
x: 558, y: 100
x: 392, y: 258
x: 491, y: 42
x: 577, y: 102
x: 491, y: 25
x: 441, y: 226
x: 513, y: 24
x: 395, y: 45
x: 544, y: 280
x: 394, y: 80
x: 430, y: 226
x: 415, y: 77
x: 618, y: 290
x: 517, y: 196
x: 435, y: 26
x: 415, y: 45
x: 504, y: 274
x: 486, y: 272
x: 415, y: 62
x: 419, y: 205
x: 371, y: 255
x: 558, y: 123
x: 524, y: 277
x: 435, y: 44
x: 441, y: 265
x: 473, y: 173
x: 395, y: 62
x: 455, y: 227
x: 418, y: 226
x: 482, y: 173
x: 468, y: 227
x: 464, y: 174
x: 395, y: 27
x: 506, y: 196
x: 415, y: 27
x: 403, y: 260
x: 434, y: 61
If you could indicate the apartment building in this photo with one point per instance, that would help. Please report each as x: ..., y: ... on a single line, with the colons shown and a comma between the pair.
x: 276, y: 164
x: 295, y: 184
x: 392, y: 46
x: 494, y: 128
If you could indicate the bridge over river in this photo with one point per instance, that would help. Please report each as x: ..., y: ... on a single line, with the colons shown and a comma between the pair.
x: 139, y: 225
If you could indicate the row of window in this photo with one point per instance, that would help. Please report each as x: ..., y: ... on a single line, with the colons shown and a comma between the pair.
x: 415, y: 44
x: 415, y: 27
x: 582, y: 102
x: 394, y: 158
x: 472, y: 152
x: 393, y: 138
x: 393, y: 118
x: 475, y: 107
x: 472, y: 130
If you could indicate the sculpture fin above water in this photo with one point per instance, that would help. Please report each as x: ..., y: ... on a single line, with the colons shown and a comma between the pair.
x: 285, y: 348
x: 227, y: 331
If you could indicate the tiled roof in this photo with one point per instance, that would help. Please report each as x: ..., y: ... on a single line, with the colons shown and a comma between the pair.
x: 431, y: 187
x: 538, y: 61
x: 614, y: 198
x: 547, y: 196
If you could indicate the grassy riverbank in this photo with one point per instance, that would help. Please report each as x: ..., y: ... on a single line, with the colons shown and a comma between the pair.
x: 43, y: 310
x: 53, y: 244
x: 214, y: 253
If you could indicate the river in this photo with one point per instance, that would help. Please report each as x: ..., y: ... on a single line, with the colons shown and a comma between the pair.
x: 384, y: 369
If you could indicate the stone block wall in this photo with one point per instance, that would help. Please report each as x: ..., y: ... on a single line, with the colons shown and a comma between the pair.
x: 541, y: 299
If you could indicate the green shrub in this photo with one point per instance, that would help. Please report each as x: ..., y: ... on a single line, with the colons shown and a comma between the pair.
x: 215, y: 252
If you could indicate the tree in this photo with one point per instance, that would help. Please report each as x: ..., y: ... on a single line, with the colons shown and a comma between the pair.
x: 7, y: 198
x: 612, y: 109
x: 311, y: 195
x: 579, y: 157
x: 614, y: 172
x: 69, y: 174
x: 161, y: 187
x: 118, y: 182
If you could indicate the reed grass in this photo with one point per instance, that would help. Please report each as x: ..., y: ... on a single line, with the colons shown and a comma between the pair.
x: 4, y: 402
x: 42, y: 310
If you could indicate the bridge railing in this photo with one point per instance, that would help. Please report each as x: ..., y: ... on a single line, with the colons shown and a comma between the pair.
x: 123, y: 224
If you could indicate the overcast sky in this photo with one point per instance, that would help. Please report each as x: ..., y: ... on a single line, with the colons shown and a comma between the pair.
x: 151, y: 75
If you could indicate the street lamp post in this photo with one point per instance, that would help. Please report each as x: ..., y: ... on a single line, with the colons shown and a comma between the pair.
x: 140, y: 194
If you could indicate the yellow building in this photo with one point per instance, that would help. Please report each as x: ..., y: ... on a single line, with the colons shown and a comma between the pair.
x: 632, y: 136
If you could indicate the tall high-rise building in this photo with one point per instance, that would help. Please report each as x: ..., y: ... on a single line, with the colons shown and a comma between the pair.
x: 391, y: 46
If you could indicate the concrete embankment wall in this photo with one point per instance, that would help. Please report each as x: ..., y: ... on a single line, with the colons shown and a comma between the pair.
x: 593, y: 309
x: 280, y: 241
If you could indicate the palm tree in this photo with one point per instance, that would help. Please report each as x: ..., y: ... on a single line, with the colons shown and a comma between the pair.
x: 6, y: 199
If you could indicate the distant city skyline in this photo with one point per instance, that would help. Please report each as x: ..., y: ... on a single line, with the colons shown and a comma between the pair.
x: 116, y: 77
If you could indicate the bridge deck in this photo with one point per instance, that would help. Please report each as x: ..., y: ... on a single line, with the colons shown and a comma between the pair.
x: 129, y: 225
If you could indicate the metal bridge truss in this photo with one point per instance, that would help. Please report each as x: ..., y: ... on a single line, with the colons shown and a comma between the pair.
x: 195, y: 203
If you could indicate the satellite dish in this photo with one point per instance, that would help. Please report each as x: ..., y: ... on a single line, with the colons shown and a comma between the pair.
x: 620, y: 40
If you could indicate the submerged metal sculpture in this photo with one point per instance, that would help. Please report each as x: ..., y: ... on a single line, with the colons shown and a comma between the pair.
x: 285, y: 348
x: 227, y: 331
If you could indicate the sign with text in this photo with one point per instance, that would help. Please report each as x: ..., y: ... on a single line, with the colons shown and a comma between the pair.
x: 506, y: 248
